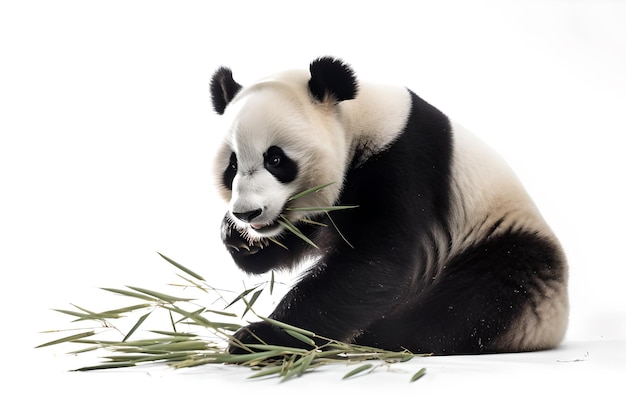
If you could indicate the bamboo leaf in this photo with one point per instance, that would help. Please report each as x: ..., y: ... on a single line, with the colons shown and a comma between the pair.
x: 108, y: 365
x: 267, y: 371
x: 185, y: 345
x: 172, y: 322
x: 281, y: 350
x: 192, y: 283
x: 131, y: 294
x: 298, y: 367
x: 358, y: 370
x: 174, y: 334
x: 147, y: 342
x: 68, y: 339
x: 160, y: 295
x: 136, y: 326
x: 73, y: 313
x: 128, y: 309
x: 285, y: 326
x: 195, y: 361
x: 109, y: 314
x: 306, y: 363
x: 221, y: 313
x: 300, y: 337
x: 325, y: 209
x: 242, y: 295
x: 271, y: 239
x: 89, y: 312
x: 293, y: 229
x: 309, y: 191
x: 246, y: 358
x: 250, y: 303
x: 418, y: 374
x: 182, y: 268
x: 313, y: 222
x: 203, y: 321
x: 89, y: 315
x: 339, y: 231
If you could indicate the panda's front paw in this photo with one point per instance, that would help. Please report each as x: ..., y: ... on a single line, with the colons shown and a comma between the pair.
x: 262, y: 333
x: 236, y: 242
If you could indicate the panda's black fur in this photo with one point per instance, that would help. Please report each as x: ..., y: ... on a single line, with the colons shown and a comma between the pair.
x: 400, y: 275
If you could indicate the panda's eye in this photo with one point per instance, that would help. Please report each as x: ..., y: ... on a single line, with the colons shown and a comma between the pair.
x: 273, y: 157
x: 283, y: 168
x: 273, y: 160
x: 230, y: 171
x: 232, y: 164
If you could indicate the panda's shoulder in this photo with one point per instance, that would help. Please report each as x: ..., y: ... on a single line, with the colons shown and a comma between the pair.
x: 376, y: 117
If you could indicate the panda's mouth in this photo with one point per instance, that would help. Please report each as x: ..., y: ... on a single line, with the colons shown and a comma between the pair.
x: 270, y: 228
x: 265, y: 228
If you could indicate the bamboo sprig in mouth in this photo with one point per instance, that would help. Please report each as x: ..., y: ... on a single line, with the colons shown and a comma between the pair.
x: 288, y: 225
x: 183, y: 349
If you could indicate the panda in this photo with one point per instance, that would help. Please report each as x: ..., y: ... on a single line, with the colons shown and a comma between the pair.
x: 444, y: 251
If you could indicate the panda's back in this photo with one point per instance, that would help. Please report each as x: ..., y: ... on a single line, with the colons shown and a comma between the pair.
x: 465, y: 218
x: 483, y: 189
x: 487, y: 196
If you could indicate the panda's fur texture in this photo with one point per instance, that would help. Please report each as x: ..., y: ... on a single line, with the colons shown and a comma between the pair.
x: 445, y: 253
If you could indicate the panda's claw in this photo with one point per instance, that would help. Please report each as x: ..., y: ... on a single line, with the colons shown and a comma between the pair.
x: 229, y: 246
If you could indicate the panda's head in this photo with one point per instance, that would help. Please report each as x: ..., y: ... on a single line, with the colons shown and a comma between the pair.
x: 284, y: 135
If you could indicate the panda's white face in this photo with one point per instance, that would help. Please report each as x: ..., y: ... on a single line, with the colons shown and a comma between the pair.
x: 279, y: 142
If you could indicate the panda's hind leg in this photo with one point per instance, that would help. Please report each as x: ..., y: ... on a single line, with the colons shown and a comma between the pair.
x: 506, y: 294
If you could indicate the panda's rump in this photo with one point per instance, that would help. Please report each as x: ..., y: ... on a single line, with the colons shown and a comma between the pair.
x: 503, y: 294
x: 511, y: 287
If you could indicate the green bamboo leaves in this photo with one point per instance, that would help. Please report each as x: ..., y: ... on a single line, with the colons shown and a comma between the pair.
x: 79, y: 336
x: 418, y: 374
x: 288, y: 225
x: 182, y: 349
x: 358, y: 370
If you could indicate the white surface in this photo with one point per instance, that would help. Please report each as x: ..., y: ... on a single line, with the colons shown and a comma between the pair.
x: 106, y: 144
x: 579, y: 377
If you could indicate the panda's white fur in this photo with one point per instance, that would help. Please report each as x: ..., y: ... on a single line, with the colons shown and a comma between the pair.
x: 334, y: 139
x: 497, y: 194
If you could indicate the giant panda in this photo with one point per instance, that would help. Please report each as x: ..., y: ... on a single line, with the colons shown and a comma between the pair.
x: 444, y: 253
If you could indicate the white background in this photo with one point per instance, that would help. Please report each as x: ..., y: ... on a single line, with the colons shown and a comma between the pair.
x: 106, y: 140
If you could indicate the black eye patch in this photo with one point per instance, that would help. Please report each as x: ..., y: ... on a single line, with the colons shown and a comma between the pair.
x: 283, y: 168
x: 230, y: 172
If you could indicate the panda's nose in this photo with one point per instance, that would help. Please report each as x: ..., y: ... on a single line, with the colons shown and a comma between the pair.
x: 247, y: 216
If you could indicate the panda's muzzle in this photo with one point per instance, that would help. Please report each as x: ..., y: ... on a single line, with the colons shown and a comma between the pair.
x: 259, y: 226
x: 248, y: 216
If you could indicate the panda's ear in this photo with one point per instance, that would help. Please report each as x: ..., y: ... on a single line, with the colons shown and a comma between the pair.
x: 223, y: 89
x: 332, y: 79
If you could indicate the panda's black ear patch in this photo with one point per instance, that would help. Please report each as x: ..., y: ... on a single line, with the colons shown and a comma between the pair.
x: 332, y: 79
x: 223, y: 89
